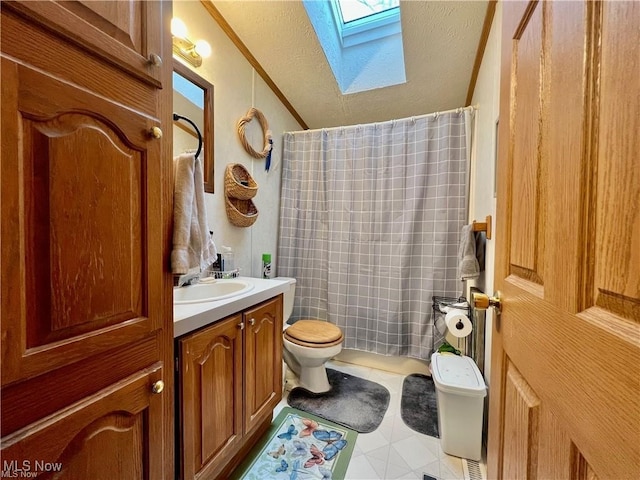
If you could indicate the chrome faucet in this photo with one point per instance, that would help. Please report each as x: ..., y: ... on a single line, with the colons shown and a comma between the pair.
x: 188, y: 279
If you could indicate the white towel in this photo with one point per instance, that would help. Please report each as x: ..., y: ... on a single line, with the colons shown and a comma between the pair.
x: 193, y: 247
x: 468, y: 267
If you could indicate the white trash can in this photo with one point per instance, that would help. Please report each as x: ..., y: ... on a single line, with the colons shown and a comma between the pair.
x: 460, y: 391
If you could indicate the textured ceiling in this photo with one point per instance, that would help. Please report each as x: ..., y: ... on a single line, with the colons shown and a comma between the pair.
x: 440, y: 43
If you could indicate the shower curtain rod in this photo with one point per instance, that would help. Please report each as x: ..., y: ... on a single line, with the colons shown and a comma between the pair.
x: 416, y: 117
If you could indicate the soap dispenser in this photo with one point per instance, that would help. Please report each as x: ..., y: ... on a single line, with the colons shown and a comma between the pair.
x: 227, y: 259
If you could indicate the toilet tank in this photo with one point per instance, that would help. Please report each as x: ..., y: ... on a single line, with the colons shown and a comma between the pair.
x: 288, y: 298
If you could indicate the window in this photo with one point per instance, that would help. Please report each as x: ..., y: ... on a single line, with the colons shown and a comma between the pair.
x: 352, y: 10
x: 362, y: 41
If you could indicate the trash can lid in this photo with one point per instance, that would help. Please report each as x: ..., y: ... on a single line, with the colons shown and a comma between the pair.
x: 457, y: 374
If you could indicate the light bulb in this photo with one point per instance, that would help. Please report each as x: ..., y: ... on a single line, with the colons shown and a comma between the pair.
x: 178, y: 28
x: 203, y: 48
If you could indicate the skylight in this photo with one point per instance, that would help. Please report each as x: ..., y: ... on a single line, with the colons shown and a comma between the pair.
x: 352, y: 10
x: 362, y: 40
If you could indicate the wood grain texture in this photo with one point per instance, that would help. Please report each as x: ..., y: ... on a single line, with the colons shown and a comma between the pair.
x: 86, y: 232
x: 567, y: 156
x: 25, y: 402
x: 555, y: 449
x: 123, y: 33
x: 577, y: 357
x: 521, y: 425
x: 86, y: 292
x: 211, y: 398
x: 526, y: 186
x: 117, y: 430
x: 263, y: 361
x: 617, y: 245
x: 68, y: 61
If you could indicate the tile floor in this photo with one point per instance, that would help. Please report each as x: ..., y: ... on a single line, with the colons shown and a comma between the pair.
x: 394, y: 451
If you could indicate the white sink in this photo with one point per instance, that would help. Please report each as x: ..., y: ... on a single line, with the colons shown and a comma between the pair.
x: 209, y: 292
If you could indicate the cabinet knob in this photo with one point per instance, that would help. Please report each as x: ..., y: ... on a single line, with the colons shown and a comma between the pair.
x: 241, y: 325
x: 252, y: 321
x: 155, y: 60
x: 156, y: 132
x: 158, y: 387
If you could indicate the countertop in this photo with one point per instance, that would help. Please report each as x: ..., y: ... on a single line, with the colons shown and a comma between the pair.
x: 192, y: 316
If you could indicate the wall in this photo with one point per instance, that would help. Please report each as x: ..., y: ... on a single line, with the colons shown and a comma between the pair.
x: 486, y: 98
x: 236, y: 89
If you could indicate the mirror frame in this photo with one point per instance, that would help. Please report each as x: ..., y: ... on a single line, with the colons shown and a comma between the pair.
x: 207, y: 134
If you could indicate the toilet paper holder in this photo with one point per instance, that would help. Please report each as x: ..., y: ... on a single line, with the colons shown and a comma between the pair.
x: 473, y: 344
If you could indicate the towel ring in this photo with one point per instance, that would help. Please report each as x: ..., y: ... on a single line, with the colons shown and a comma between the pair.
x: 177, y: 117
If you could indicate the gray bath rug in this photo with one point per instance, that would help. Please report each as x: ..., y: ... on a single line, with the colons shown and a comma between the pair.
x: 418, y: 405
x: 353, y: 402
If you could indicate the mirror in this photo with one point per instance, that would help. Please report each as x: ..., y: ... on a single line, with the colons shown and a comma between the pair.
x: 193, y: 99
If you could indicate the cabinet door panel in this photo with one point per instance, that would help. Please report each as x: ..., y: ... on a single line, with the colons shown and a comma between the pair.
x: 125, y: 32
x: 263, y: 361
x: 211, y: 407
x: 116, y: 433
x: 80, y: 236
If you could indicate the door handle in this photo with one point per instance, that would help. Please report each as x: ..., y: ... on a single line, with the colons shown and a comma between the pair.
x: 482, y: 301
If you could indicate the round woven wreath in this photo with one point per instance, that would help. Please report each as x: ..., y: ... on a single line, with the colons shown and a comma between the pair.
x: 268, y: 142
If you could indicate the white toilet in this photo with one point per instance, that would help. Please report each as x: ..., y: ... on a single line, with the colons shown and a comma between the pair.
x: 308, y: 345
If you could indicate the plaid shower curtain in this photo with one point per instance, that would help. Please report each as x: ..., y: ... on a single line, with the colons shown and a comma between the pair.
x: 370, y: 223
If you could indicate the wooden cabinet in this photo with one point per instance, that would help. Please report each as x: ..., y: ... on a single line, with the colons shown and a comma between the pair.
x: 230, y: 381
x: 126, y: 33
x: 86, y: 212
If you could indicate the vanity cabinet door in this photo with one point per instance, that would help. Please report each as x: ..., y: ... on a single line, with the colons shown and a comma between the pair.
x: 263, y: 361
x: 211, y: 403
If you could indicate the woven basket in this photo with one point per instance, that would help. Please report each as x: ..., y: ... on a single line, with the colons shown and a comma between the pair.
x: 241, y: 213
x: 238, y: 183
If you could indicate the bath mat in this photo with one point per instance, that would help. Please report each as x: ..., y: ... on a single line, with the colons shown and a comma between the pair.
x: 299, y: 445
x: 418, y: 405
x: 352, y: 401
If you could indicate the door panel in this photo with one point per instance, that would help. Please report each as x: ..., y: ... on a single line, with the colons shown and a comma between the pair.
x: 125, y: 32
x: 522, y: 410
x: 211, y: 406
x: 565, y: 390
x: 263, y: 361
x: 617, y: 243
x: 526, y: 230
x: 81, y: 220
x: 116, y: 433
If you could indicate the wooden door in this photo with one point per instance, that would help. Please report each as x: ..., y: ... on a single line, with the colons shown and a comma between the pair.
x: 211, y: 403
x: 263, y: 361
x: 77, y: 210
x: 565, y: 384
x: 117, y: 430
x: 127, y: 33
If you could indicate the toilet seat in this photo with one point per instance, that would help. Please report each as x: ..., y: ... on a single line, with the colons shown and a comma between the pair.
x: 314, y: 334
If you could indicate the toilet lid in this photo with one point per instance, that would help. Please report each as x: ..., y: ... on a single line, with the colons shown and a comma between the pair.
x: 313, y: 333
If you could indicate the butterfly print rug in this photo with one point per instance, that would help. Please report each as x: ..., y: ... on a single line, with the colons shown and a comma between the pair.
x: 299, y: 446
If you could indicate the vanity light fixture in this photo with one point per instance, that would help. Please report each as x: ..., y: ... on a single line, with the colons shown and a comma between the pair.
x: 184, y: 48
